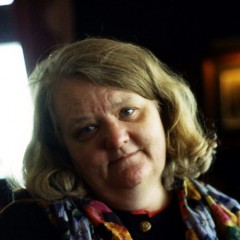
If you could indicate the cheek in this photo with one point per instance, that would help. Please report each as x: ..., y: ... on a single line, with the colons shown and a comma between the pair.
x: 77, y: 155
x: 154, y: 136
x: 84, y: 158
x: 153, y: 130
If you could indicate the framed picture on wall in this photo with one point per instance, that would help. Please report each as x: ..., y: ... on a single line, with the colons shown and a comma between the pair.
x: 229, y: 98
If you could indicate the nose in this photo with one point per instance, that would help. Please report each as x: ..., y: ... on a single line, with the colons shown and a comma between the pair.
x: 116, y: 134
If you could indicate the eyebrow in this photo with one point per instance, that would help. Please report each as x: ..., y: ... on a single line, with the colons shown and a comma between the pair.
x: 77, y: 120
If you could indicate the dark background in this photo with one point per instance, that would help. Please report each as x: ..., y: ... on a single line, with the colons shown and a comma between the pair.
x: 181, y: 33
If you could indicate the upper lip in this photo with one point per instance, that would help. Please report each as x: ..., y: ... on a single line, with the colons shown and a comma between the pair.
x: 124, y: 156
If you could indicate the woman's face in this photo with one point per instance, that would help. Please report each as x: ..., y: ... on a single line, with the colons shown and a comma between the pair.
x: 115, y: 138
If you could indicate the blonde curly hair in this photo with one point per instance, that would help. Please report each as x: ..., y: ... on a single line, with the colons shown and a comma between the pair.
x: 48, y: 170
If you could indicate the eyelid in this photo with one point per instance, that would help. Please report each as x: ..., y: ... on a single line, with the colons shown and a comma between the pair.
x: 133, y: 109
x: 84, y: 136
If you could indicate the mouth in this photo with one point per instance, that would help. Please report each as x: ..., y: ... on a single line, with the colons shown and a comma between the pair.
x: 125, y: 157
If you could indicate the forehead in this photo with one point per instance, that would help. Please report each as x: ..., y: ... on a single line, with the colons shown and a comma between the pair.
x: 83, y: 89
x: 80, y: 95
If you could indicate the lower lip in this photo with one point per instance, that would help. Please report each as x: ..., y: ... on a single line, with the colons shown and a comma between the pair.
x: 128, y: 159
x: 128, y: 156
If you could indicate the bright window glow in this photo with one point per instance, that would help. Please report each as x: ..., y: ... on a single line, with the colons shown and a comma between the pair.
x: 16, y: 110
x: 6, y: 2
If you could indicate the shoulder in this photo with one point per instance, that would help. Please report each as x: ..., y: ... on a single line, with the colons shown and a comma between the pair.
x: 205, y: 207
x: 209, y: 191
x: 200, y: 191
x: 5, y: 193
x: 25, y: 219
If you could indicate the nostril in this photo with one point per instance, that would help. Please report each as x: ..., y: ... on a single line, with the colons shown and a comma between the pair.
x: 116, y: 136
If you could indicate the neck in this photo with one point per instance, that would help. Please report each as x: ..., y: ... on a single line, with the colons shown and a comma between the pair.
x: 150, y: 199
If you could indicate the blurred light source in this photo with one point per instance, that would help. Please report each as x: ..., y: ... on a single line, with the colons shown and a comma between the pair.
x: 229, y: 81
x: 6, y: 2
x: 16, y: 110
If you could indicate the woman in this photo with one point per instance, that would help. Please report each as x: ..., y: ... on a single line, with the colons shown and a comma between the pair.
x: 116, y: 150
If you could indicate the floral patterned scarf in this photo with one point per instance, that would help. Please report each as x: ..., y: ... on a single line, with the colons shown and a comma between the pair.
x: 206, y: 212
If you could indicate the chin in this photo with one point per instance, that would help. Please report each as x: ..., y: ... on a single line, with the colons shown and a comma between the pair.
x: 131, y: 178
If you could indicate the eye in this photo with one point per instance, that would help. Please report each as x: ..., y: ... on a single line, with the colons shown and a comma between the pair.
x: 126, y: 112
x: 87, y: 132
